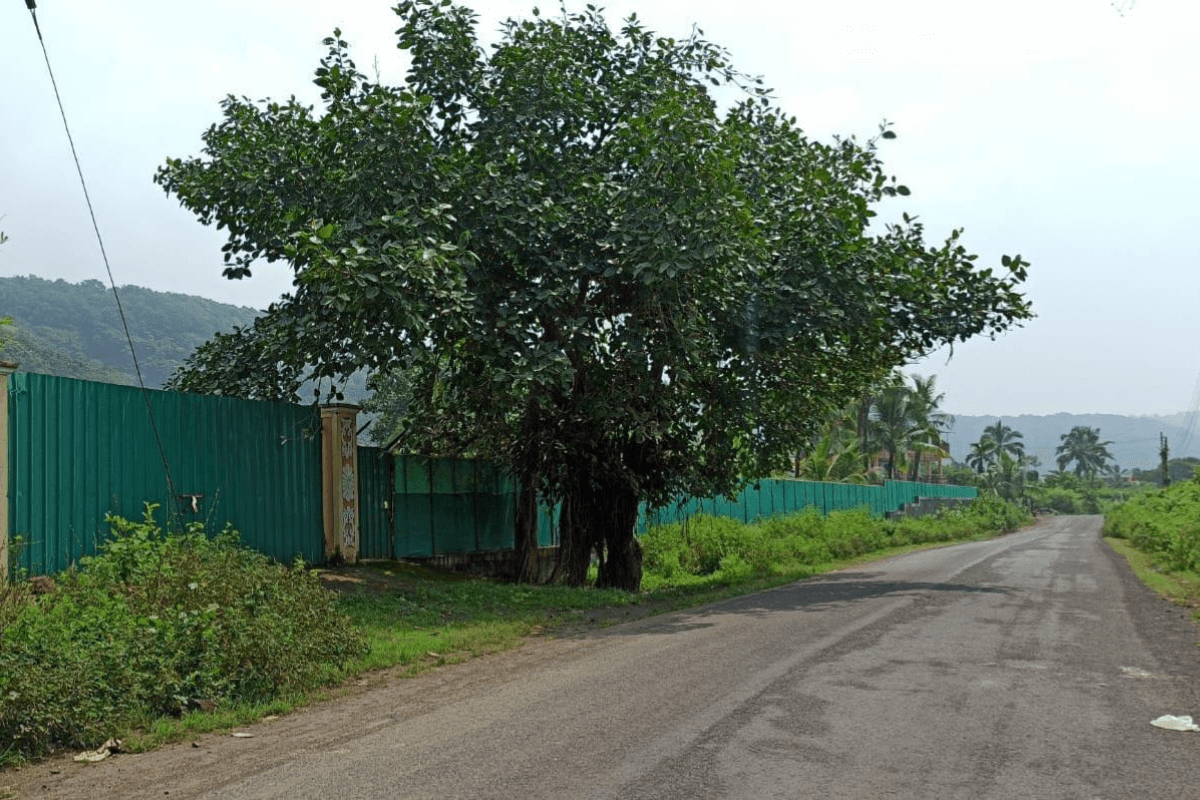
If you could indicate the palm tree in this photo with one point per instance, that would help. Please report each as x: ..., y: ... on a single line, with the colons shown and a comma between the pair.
x: 1006, y: 477
x: 1083, y: 446
x: 903, y: 419
x: 982, y: 454
x: 1117, y: 476
x: 1006, y: 439
x: 926, y: 403
x: 997, y: 441
x: 891, y: 423
x: 834, y: 457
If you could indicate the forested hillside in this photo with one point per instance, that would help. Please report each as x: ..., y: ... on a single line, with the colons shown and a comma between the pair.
x: 73, y: 329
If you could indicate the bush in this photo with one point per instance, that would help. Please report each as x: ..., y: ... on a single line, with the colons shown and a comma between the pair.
x: 727, y: 551
x: 153, y: 622
x: 1164, y: 523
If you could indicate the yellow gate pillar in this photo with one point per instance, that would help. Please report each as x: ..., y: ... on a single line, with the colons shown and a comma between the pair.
x: 6, y: 368
x: 339, y: 480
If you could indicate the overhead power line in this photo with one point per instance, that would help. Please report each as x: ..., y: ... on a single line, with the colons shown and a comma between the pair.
x: 32, y: 6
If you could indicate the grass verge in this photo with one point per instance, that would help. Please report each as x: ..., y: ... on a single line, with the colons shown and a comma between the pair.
x: 1180, y: 587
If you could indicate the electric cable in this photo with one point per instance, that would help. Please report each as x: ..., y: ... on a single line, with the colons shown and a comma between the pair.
x: 32, y: 6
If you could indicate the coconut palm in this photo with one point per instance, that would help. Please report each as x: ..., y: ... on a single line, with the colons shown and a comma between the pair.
x: 904, y: 419
x: 1083, y: 446
x: 997, y: 440
x: 926, y: 403
x: 1006, y: 477
x: 1118, y: 477
x: 834, y: 456
x: 983, y: 453
x: 1006, y: 439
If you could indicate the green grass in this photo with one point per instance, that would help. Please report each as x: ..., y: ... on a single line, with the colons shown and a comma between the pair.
x: 1181, y: 587
x: 400, y: 620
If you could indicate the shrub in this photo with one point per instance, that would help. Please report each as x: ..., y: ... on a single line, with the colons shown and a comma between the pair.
x: 1164, y: 523
x: 155, y: 621
x: 726, y: 550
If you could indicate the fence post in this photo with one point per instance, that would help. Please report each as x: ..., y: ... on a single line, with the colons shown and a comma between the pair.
x: 339, y: 480
x: 6, y: 368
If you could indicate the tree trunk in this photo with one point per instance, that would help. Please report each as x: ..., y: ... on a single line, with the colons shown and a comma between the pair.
x: 525, y: 536
x: 622, y: 564
x: 599, y: 517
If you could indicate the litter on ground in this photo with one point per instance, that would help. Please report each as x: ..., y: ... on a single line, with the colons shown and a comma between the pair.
x: 1173, y: 723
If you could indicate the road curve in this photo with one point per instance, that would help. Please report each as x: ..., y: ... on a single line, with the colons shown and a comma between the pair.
x: 1028, y: 666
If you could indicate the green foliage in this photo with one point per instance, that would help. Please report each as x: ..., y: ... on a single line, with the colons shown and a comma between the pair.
x: 152, y: 622
x: 718, y: 549
x: 904, y: 419
x: 1164, y: 523
x: 589, y: 271
x: 1067, y: 493
x: 835, y: 457
x: 1082, y: 445
x: 997, y: 441
x: 1178, y: 469
x: 55, y: 352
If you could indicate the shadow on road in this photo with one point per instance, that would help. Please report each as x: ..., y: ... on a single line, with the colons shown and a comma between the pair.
x: 812, y: 594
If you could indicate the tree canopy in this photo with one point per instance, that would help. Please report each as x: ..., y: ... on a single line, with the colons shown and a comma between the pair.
x: 585, y: 267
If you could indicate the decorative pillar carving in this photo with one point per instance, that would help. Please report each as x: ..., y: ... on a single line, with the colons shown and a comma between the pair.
x: 339, y: 480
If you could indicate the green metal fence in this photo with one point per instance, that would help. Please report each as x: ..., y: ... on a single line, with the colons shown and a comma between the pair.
x: 375, y: 503
x: 771, y: 497
x: 79, y: 450
x: 447, y: 505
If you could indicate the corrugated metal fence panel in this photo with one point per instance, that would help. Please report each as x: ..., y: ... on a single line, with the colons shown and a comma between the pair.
x: 80, y: 449
x: 446, y: 505
x: 770, y: 497
x: 414, y: 521
x: 374, y: 503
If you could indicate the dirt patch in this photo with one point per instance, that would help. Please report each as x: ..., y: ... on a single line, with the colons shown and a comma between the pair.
x: 382, y: 577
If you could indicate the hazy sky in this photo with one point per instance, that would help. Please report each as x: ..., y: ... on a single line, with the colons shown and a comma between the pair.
x: 1058, y: 129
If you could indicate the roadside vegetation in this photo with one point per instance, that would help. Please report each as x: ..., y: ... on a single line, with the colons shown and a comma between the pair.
x: 1164, y: 524
x: 1158, y: 533
x: 158, y: 638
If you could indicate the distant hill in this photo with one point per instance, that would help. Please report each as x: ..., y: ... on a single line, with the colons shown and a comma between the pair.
x: 1134, y: 439
x: 73, y: 329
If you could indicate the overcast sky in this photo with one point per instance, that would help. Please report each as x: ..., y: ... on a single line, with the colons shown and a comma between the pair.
x: 1062, y: 130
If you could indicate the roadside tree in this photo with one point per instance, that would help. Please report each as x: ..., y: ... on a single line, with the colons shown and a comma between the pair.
x: 585, y: 268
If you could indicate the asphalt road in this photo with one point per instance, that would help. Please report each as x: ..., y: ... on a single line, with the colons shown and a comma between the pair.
x: 1029, y: 666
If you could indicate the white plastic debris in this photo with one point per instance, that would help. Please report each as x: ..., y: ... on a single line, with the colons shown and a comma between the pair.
x: 1173, y: 723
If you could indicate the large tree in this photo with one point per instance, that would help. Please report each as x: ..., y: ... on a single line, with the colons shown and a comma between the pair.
x: 585, y: 268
